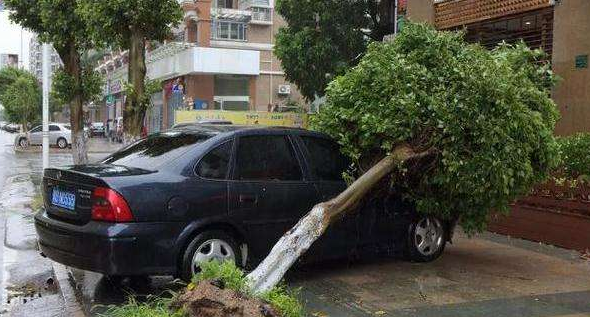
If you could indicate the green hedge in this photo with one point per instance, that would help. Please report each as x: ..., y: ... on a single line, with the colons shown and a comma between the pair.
x: 575, y: 155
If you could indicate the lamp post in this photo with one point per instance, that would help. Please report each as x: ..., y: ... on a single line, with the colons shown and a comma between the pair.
x: 46, y: 65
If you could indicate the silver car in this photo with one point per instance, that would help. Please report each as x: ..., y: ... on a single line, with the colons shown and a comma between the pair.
x: 59, y: 134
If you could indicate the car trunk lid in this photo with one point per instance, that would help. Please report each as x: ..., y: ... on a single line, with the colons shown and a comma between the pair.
x: 68, y: 191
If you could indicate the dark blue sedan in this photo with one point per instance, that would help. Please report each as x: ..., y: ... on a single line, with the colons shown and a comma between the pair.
x: 167, y: 203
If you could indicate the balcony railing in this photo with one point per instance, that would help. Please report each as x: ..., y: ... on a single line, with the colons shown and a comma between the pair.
x: 231, y: 14
x: 247, y: 4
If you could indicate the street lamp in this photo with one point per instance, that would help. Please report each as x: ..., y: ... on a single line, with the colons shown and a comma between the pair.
x: 46, y: 65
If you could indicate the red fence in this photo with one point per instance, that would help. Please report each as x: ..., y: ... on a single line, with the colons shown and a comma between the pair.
x: 556, y: 214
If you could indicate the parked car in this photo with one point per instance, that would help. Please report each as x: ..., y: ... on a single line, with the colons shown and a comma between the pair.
x: 59, y: 135
x: 11, y: 128
x: 167, y: 203
x: 97, y: 129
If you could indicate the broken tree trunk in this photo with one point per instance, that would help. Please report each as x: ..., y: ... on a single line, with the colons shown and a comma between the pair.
x: 300, y: 238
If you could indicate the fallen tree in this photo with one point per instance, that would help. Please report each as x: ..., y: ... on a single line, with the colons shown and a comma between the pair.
x: 457, y: 129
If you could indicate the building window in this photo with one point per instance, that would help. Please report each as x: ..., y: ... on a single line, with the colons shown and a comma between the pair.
x: 229, y: 30
x: 224, y: 4
x: 535, y: 28
x: 261, y: 14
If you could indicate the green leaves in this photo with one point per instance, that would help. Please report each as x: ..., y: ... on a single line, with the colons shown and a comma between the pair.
x: 487, y: 113
x: 323, y: 38
x: 111, y: 22
x: 20, y: 95
x: 575, y: 155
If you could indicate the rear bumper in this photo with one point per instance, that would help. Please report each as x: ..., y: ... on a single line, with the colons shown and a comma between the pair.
x: 112, y: 249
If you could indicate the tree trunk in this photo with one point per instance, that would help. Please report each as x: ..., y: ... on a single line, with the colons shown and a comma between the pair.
x: 300, y: 238
x: 135, y: 105
x: 72, y: 66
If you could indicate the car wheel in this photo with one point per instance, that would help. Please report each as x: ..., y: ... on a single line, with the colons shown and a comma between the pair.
x: 23, y: 143
x: 208, y: 246
x: 62, y: 143
x: 426, y: 239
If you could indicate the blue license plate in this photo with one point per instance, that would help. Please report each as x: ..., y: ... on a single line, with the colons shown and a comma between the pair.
x: 63, y: 199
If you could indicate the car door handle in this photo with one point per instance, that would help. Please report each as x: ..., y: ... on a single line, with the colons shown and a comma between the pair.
x: 247, y: 199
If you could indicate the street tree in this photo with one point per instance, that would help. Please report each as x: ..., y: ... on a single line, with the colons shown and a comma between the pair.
x: 21, y: 100
x: 324, y: 38
x: 57, y: 22
x: 455, y: 129
x: 130, y: 25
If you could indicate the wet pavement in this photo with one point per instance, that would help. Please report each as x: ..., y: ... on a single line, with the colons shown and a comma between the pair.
x: 488, y: 275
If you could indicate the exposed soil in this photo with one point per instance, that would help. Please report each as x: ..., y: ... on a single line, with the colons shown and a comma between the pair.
x: 211, y: 299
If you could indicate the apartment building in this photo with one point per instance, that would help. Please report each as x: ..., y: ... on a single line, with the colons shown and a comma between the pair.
x: 560, y: 27
x: 221, y: 57
x: 36, y: 59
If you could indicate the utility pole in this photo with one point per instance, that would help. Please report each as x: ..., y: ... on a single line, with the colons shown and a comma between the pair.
x: 46, y: 67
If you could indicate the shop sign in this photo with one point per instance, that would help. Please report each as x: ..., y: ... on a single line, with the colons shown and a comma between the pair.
x: 288, y: 119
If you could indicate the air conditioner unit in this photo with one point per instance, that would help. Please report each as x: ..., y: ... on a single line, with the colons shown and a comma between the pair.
x: 284, y: 89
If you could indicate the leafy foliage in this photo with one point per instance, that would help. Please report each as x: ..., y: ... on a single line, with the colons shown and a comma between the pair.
x: 323, y: 38
x: 64, y: 88
x: 575, y: 155
x: 486, y: 116
x: 22, y: 99
x: 113, y: 22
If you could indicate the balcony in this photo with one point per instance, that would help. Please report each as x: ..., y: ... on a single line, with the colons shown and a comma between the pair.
x: 231, y: 14
x: 178, y: 59
x: 261, y: 10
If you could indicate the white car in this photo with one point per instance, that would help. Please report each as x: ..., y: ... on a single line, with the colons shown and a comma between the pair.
x: 59, y: 134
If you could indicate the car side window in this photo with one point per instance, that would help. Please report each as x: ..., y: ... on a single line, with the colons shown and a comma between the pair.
x: 36, y: 129
x: 53, y: 128
x: 326, y: 160
x: 269, y: 157
x: 215, y: 165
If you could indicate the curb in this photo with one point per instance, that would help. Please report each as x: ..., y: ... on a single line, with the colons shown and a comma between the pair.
x: 72, y: 306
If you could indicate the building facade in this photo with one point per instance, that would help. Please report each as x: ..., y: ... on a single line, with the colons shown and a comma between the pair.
x: 36, y: 59
x: 221, y: 58
x: 560, y: 27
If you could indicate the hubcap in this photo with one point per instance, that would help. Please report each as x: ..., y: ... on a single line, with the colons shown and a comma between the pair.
x: 61, y: 143
x: 428, y: 236
x: 23, y: 143
x: 212, y: 250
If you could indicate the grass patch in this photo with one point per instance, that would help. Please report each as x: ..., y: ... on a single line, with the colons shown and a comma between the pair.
x: 280, y: 298
x: 153, y: 307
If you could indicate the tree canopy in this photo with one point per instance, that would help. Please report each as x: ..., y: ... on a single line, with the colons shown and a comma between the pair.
x: 323, y: 38
x: 58, y: 22
x: 130, y: 25
x: 486, y: 117
x: 21, y: 100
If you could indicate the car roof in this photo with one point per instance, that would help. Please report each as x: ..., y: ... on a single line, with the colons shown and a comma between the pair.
x: 240, y: 129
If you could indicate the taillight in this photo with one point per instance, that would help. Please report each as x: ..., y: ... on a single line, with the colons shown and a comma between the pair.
x: 109, y: 206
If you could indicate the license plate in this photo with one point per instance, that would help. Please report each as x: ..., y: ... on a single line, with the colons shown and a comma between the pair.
x: 63, y: 199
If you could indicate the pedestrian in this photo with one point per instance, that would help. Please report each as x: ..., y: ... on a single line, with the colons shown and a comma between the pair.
x: 110, y: 130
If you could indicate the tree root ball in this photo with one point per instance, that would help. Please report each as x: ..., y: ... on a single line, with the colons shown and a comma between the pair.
x: 207, y: 299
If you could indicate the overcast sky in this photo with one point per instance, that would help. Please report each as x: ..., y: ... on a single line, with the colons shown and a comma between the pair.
x: 10, y: 39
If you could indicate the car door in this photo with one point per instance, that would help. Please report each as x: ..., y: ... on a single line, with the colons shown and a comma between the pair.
x: 54, y: 133
x: 327, y: 165
x: 36, y: 135
x: 269, y: 192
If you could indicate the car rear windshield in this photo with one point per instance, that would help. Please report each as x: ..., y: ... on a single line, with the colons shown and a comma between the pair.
x: 155, y: 150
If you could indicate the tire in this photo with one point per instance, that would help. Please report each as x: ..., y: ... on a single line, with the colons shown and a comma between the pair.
x: 201, y: 246
x: 23, y: 143
x: 62, y: 143
x: 426, y: 239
